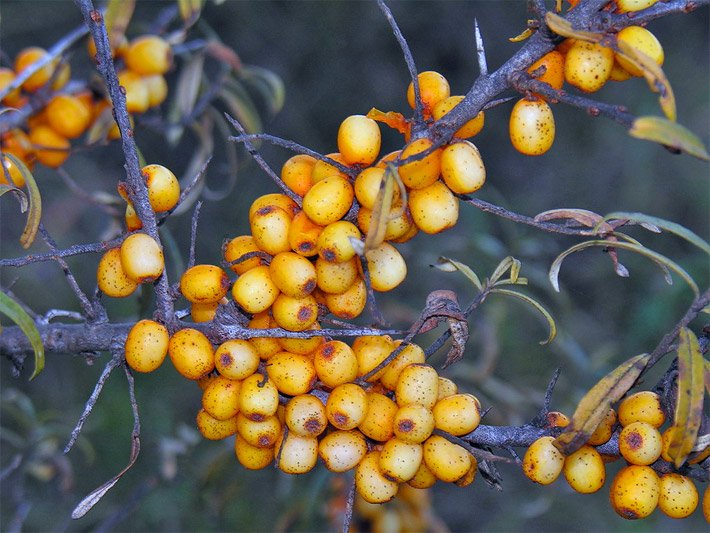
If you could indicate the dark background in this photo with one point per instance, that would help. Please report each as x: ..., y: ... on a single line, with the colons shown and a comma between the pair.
x: 336, y: 59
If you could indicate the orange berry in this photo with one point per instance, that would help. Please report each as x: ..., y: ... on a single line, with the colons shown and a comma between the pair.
x: 68, y: 115
x: 252, y: 457
x: 297, y: 173
x: 470, y: 128
x: 111, y: 278
x: 604, y: 430
x: 302, y: 346
x: 378, y: 423
x: 433, y: 87
x: 532, y: 126
x: 367, y: 184
x: 14, y: 97
x: 51, y: 148
x: 13, y: 171
x: 26, y: 58
x: 635, y: 492
x: 146, y: 346
x: 221, y: 398
x: 643, y: 406
x: 350, y: 303
x: 370, y: 351
x: 148, y: 54
x: 237, y: 248
x: 213, y: 429
x: 191, y: 353
x: 203, y: 312
x: 204, y: 284
x: 136, y: 90
x: 424, y: 172
x: 554, y: 74
x: 322, y: 170
x: 303, y: 235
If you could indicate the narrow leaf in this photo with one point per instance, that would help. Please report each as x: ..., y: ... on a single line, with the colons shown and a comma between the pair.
x: 660, y: 224
x: 19, y: 316
x: 689, y: 403
x: 554, y: 272
x: 21, y: 196
x: 536, y: 305
x: 707, y: 376
x: 668, y: 133
x: 562, y: 26
x: 118, y: 16
x: 449, y: 265
x: 241, y: 106
x: 34, y: 212
x: 509, y: 263
x: 525, y: 34
x: 267, y: 85
x: 189, y: 10
x: 594, y: 406
x: 380, y: 212
x: 187, y: 89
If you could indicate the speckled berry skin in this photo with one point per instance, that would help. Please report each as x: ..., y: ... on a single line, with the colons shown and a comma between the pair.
x: 543, y: 462
x: 532, y: 126
x: 635, y: 491
x: 584, y: 470
x: 146, y: 346
x: 588, y: 66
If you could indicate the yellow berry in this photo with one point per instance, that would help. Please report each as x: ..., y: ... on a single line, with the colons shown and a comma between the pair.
x: 146, y: 345
x: 434, y: 208
x: 410, y: 354
x: 424, y: 172
x: 237, y: 248
x: 706, y: 504
x: 273, y: 200
x: 133, y: 221
x: 532, y: 126
x: 399, y: 221
x: 306, y: 416
x: 424, y: 478
x: 370, y: 483
x: 334, y: 243
x: 644, y: 406
x: 433, y: 87
x: 13, y: 98
x: 335, y: 363
x: 259, y: 433
x: 191, y: 353
x: 50, y: 148
x: 470, y: 128
x: 295, y: 314
x: 157, y: 89
x: 367, y: 184
x: 111, y: 278
x: 446, y: 387
x: 236, y: 359
x: 296, y: 454
x: 342, y: 450
x: 418, y: 383
x: 413, y: 423
x: 604, y: 430
x: 400, y: 460
x: 370, y: 351
x: 213, y: 429
x: 458, y: 414
x: 350, y: 303
x: 302, y: 346
x: 635, y: 492
x: 163, y: 187
x: 292, y: 373
x: 642, y: 41
x: 346, y: 406
x: 14, y: 172
x: 269, y: 227
x: 252, y: 457
x: 543, y: 462
x: 626, y: 6
x: 221, y: 398
x: 303, y: 235
x: 148, y: 54
x: 204, y: 284
x: 588, y: 65
x: 448, y: 461
x: 386, y: 267
x: 678, y: 496
x: 142, y: 258
x: 640, y: 443
x: 203, y: 312
x: 258, y: 398
x: 584, y: 470
x: 328, y: 200
x: 378, y: 423
x: 297, y: 173
x: 359, y: 140
x: 136, y: 90
x: 68, y: 115
x: 336, y: 278
x: 462, y: 168
x: 555, y: 419
x: 254, y: 290
x: 293, y: 274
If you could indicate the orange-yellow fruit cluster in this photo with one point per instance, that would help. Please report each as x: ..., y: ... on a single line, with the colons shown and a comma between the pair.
x: 586, y: 66
x: 637, y: 489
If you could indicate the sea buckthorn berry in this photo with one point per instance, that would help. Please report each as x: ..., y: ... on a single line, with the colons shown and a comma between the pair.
x: 370, y: 483
x: 203, y: 312
x: 251, y: 457
x: 470, y: 475
x: 635, y: 491
x: 434, y: 208
x: 625, y: 6
x: 9, y: 167
x: 50, y: 148
x: 555, y: 419
x: 142, y: 258
x: 588, y: 65
x: 258, y: 398
x: 269, y: 227
x: 7, y: 76
x: 532, y: 126
x: 643, y: 41
x: 18, y: 143
x: 163, y: 187
x: 350, y: 303
x: 335, y: 363
x: 157, y: 89
x: 204, y: 284
x: 303, y: 346
x: 399, y: 221
x: 133, y: 221
x: 448, y: 461
x: 470, y: 128
x: 584, y: 470
x: 254, y: 290
x: 418, y: 383
x: 411, y: 353
x: 303, y: 235
x: 295, y: 314
x: 543, y: 462
x: 221, y: 398
x: 293, y: 274
x: 386, y: 267
x: 678, y: 496
x: 462, y: 168
x: 342, y: 450
x: 292, y: 373
x: 370, y: 351
x: 346, y: 406
x: 191, y: 353
x: 236, y: 359
x: 400, y: 460
x: 359, y: 140
x: 367, y: 186
x: 306, y: 416
x: 146, y: 345
x: 273, y: 200
x: 213, y: 429
x: 26, y: 58
x: 644, y: 406
x: 378, y: 423
x: 259, y: 433
x: 424, y: 478
x: 640, y: 443
x: 424, y: 172
x: 458, y: 414
x: 411, y: 233
x: 618, y: 73
x: 148, y: 54
x: 336, y: 278
x: 413, y: 423
x: 68, y: 115
x: 237, y: 248
x: 554, y: 72
x: 706, y: 504
x: 137, y: 96
x: 334, y: 241
x: 328, y: 200
x: 446, y: 387
x: 296, y: 454
x: 297, y: 173
x: 604, y: 430
x: 111, y: 278
x: 322, y: 170
x: 265, y: 346
x: 433, y: 87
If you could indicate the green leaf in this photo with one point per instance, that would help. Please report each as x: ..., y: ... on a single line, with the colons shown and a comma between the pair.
x: 536, y: 305
x: 266, y: 84
x: 241, y: 106
x: 661, y: 260
x: 187, y: 89
x: 689, y: 404
x: 19, y: 316
x: 594, y: 406
x: 449, y: 265
x: 509, y: 263
x: 671, y: 227
x: 668, y: 133
x: 34, y: 212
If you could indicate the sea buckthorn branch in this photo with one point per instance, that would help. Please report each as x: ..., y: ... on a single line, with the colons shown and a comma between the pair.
x: 618, y: 21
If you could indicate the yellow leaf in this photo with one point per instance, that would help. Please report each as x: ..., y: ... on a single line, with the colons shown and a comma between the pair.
x: 381, y: 210
x: 35, y: 203
x: 592, y: 409
x: 118, y: 15
x: 562, y: 26
x: 668, y: 133
x: 526, y: 33
x: 689, y: 404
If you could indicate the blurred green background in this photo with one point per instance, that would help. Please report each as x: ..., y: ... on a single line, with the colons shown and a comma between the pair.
x: 337, y: 59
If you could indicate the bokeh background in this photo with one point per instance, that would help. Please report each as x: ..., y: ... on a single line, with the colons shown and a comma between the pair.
x: 336, y: 59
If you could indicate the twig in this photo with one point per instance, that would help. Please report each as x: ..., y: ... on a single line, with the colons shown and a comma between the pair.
x: 377, y: 315
x: 81, y: 192
x: 349, y: 507
x: 193, y: 234
x: 619, y: 21
x: 480, y: 49
x: 77, y: 249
